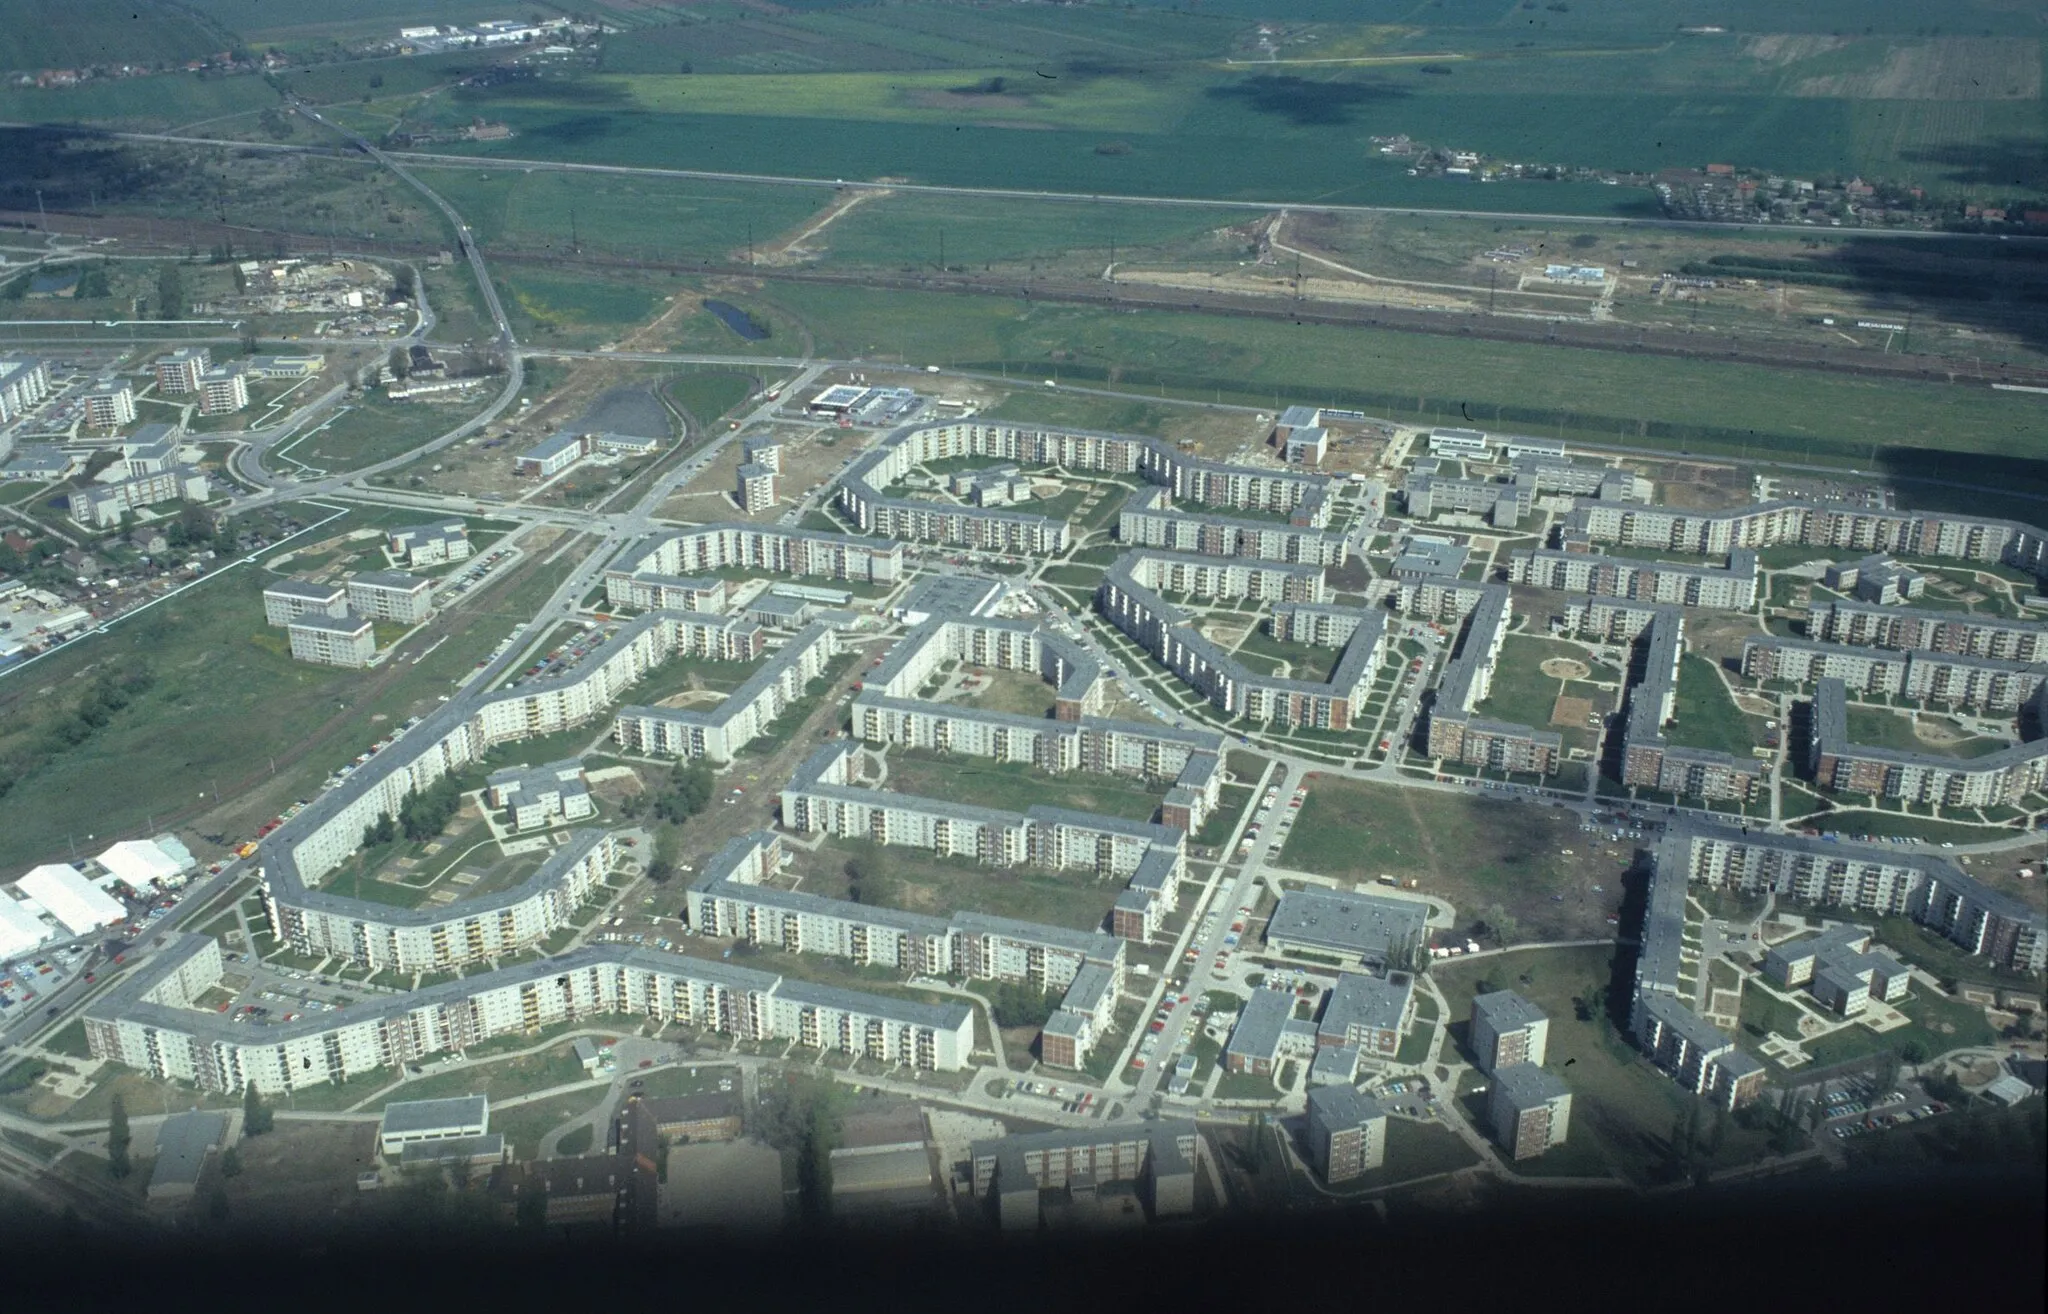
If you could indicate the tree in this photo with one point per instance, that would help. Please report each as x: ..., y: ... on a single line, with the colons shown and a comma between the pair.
x: 231, y: 1161
x: 403, y: 283
x: 661, y: 865
x: 1503, y: 925
x: 256, y: 1115
x: 118, y: 1139
x: 1913, y: 1052
x: 170, y: 293
x: 399, y: 363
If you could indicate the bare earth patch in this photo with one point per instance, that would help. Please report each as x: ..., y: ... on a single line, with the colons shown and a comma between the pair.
x: 1571, y: 712
x: 1565, y: 668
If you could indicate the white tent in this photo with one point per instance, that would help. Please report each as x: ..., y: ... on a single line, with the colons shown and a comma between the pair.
x: 140, y: 864
x: 70, y: 898
x: 20, y: 929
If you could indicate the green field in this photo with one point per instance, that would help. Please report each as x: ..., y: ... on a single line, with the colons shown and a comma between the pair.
x: 708, y: 395
x: 226, y: 702
x: 1884, y: 729
x: 1707, y: 716
x: 1608, y: 397
x: 1473, y: 850
x: 1015, y: 787
x: 572, y: 310
x: 373, y: 428
x: 913, y: 880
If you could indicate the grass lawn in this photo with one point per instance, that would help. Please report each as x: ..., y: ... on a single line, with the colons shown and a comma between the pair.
x: 68, y: 1039
x: 524, y: 1127
x: 1466, y: 847
x: 913, y: 880
x: 1230, y: 805
x: 226, y: 703
x: 1939, y: 1024
x: 1303, y: 661
x: 1015, y: 787
x: 1884, y: 729
x: 502, y: 1080
x: 1522, y: 694
x: 373, y: 428
x: 1015, y: 692
x: 1707, y: 716
x: 1857, y: 821
x: 1246, y: 1086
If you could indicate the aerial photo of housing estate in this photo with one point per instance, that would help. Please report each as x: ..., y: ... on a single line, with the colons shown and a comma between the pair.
x: 963, y: 626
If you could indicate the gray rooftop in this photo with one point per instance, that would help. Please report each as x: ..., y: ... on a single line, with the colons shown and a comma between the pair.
x: 407, y: 1116
x: 1506, y: 1011
x: 1357, y: 923
x: 390, y: 579
x: 1343, y: 1106
x: 1367, y: 1001
x: 1257, y: 1033
x: 1524, y: 1085
x: 182, y: 1142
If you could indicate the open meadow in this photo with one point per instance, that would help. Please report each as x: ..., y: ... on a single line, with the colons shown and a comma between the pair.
x: 1474, y: 849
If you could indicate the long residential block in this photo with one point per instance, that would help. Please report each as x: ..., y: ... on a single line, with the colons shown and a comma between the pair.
x: 1454, y: 733
x: 717, y: 734
x: 1669, y: 582
x: 1996, y: 779
x: 1834, y: 525
x: 862, y: 492
x: 1876, y: 626
x: 682, y: 558
x: 1150, y: 519
x: 1957, y: 679
x: 150, y: 1021
x: 1130, y: 596
x: 822, y: 797
x: 1879, y: 879
x: 1652, y: 761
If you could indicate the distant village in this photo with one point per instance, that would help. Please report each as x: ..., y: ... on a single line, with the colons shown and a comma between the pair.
x: 1728, y: 193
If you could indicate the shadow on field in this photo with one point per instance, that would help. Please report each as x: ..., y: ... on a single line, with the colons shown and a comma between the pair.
x: 2015, y: 162
x: 1306, y: 102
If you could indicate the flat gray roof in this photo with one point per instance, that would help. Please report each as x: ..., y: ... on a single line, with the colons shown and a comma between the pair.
x: 1524, y: 1085
x: 1505, y: 1010
x: 181, y: 1145
x: 1356, y: 923
x: 433, y: 1115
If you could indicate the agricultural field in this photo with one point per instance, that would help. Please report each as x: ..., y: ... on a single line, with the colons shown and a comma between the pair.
x: 1594, y: 396
x: 1474, y: 850
x: 68, y: 33
x: 1133, y: 114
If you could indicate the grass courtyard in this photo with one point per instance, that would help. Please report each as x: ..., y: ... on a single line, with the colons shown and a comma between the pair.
x: 912, y: 880
x: 1472, y: 849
